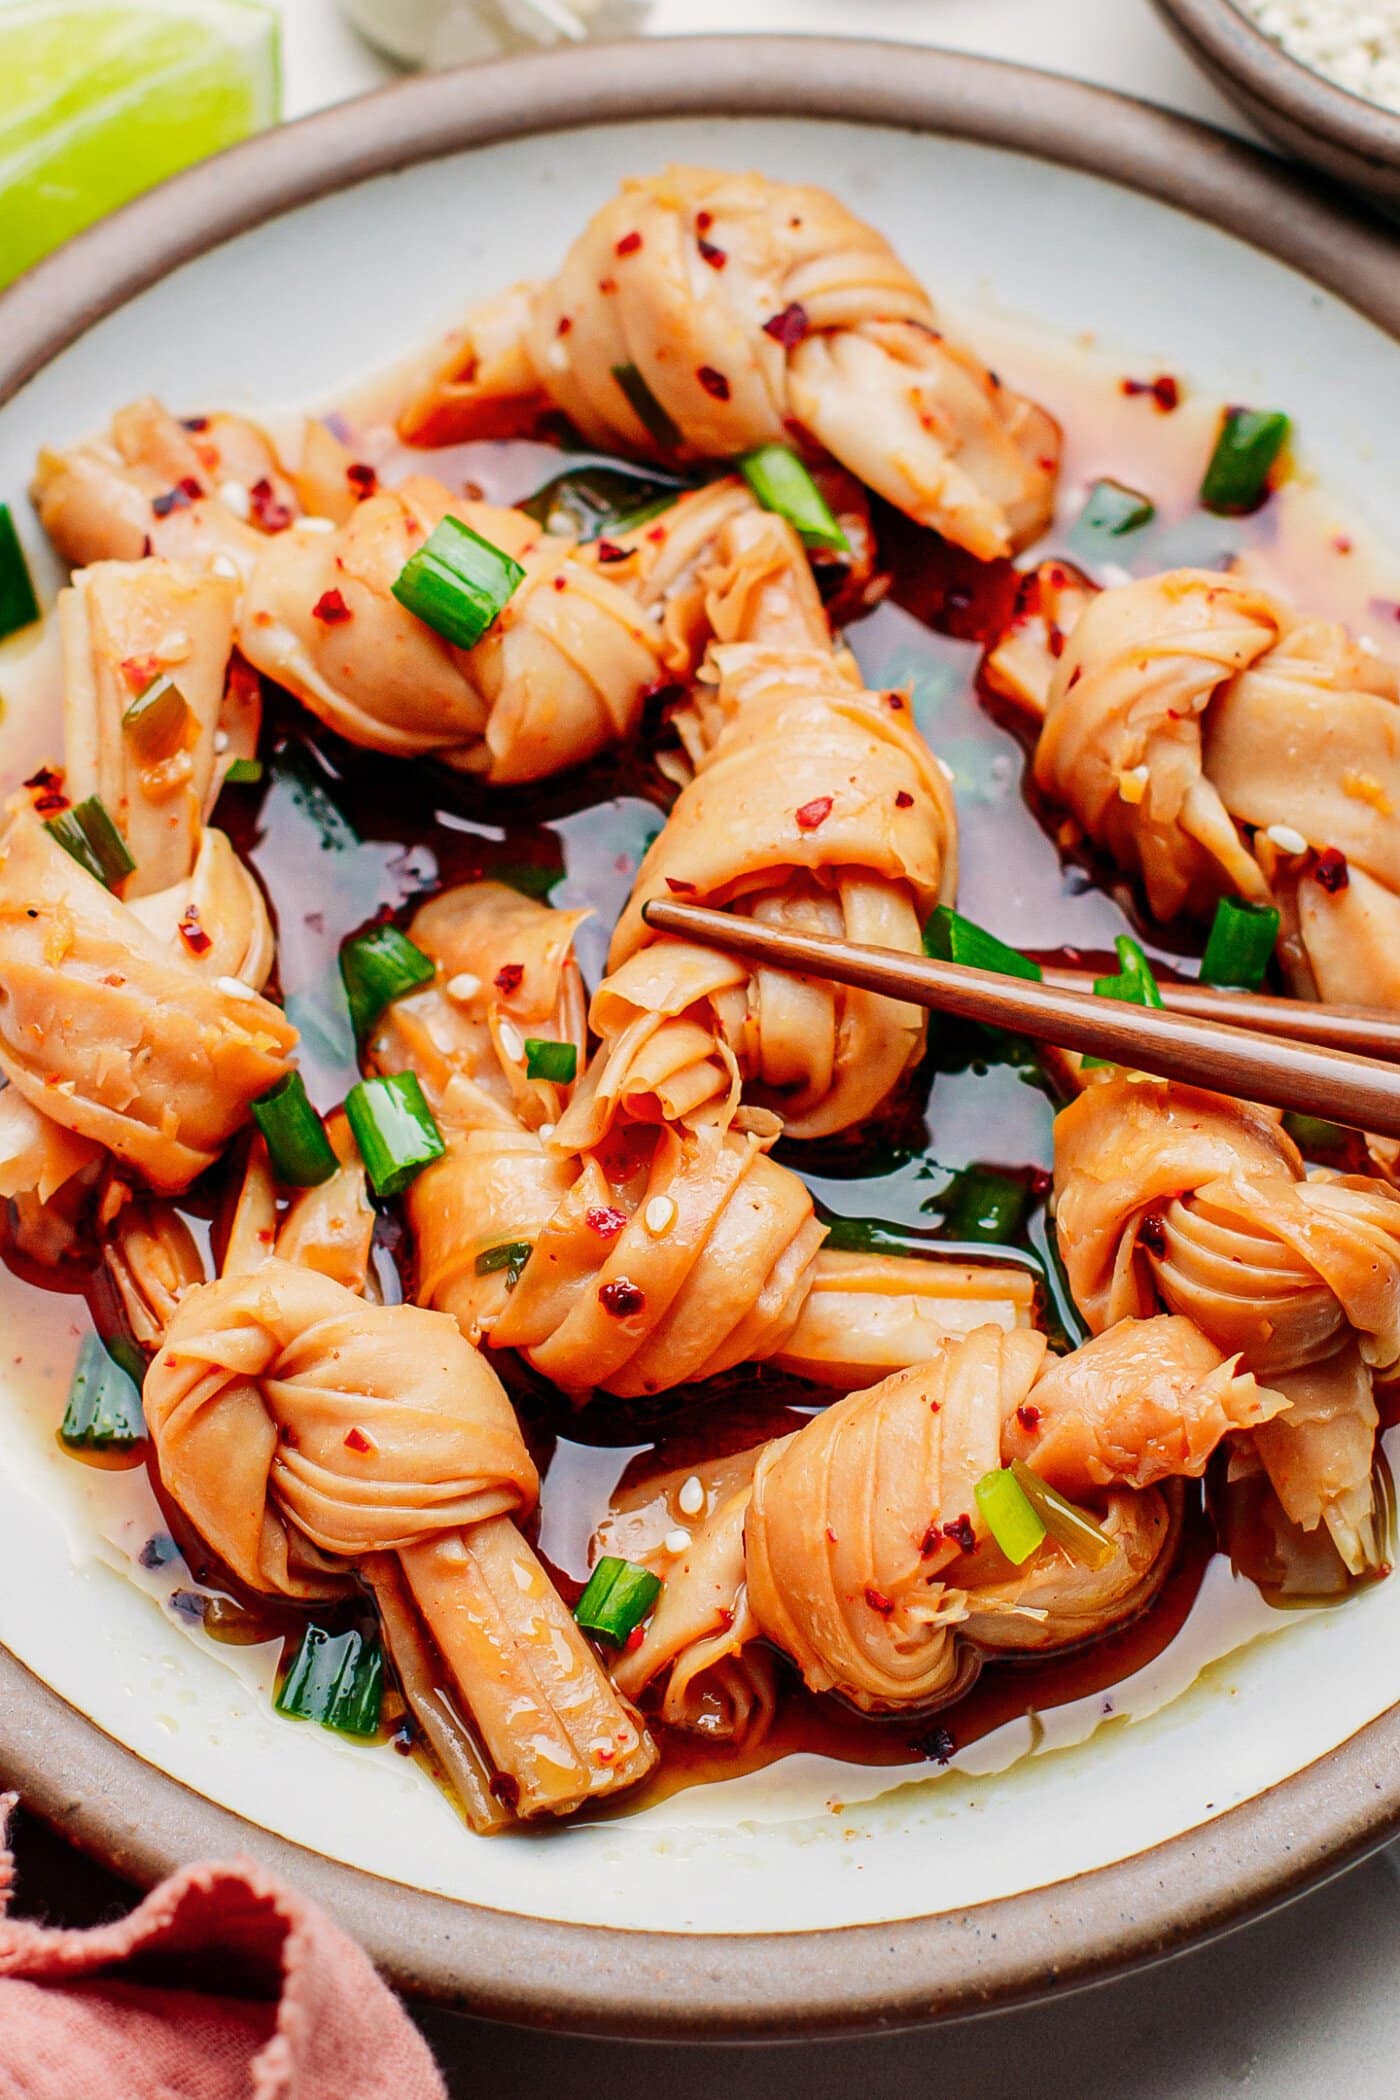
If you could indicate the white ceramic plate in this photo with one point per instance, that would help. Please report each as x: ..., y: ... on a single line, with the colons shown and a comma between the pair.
x: 298, y: 309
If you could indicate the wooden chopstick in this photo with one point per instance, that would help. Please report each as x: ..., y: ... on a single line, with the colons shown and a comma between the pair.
x: 1306, y: 1077
x: 1368, y: 1030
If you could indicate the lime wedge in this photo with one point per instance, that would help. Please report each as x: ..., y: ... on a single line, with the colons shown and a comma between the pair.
x: 99, y: 101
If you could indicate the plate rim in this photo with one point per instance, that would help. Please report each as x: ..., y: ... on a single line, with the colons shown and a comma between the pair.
x: 607, y: 1980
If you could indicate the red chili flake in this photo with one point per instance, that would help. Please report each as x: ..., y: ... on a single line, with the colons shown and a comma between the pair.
x: 506, y: 1791
x: 656, y: 534
x: 960, y: 1531
x: 51, y: 803
x: 178, y: 498
x: 726, y: 1617
x: 356, y: 1440
x: 565, y: 324
x: 286, y: 1434
x: 813, y: 814
x: 362, y: 478
x: 715, y: 257
x: 1054, y: 639
x: 1152, y: 1232
x: 1028, y: 1416
x: 831, y: 1536
x: 271, y: 513
x: 704, y: 220
x: 629, y: 244
x: 607, y: 284
x: 714, y: 383
x: 679, y: 887
x: 895, y: 701
x: 904, y: 800
x: 621, y: 1298
x: 878, y: 1601
x: 634, y: 1640
x: 1165, y: 391
x: 194, y: 422
x: 138, y: 671
x: 929, y: 1542
x: 192, y: 933
x: 609, y: 551
x: 1341, y: 543
x: 605, y: 1221
x: 330, y: 608
x: 788, y: 327
x: 508, y: 978
x: 939, y: 1745
x: 1331, y: 870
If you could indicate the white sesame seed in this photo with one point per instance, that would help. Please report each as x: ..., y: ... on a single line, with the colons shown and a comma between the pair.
x: 1286, y: 838
x: 658, y: 1215
x: 512, y: 1041
x: 691, y: 1499
x: 224, y: 565
x: 547, y: 1130
x: 676, y: 1541
x: 234, y: 988
x: 463, y: 986
x: 220, y: 741
x: 1364, y: 641
x: 314, y: 525
x: 235, y: 497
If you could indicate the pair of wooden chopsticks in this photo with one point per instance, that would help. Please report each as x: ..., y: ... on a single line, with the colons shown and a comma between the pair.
x: 1286, y: 1053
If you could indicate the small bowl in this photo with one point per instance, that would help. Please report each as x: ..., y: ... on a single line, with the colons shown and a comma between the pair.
x: 1356, y: 141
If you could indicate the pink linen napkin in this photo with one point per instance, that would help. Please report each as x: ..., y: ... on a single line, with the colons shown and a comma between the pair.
x: 223, y: 1984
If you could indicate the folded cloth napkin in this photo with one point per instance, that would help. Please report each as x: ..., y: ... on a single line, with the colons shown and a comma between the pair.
x: 222, y: 1985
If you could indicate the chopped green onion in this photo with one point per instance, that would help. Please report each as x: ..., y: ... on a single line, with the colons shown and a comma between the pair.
x: 1068, y: 1525
x: 457, y: 583
x: 244, y: 772
x: 863, y: 1236
x: 603, y: 497
x: 1134, y: 984
x: 395, y: 1130
x: 1237, y: 478
x: 1009, y: 1515
x: 104, y: 1403
x: 1112, y: 511
x: 18, y: 605
x: 984, y: 1205
x: 511, y: 1256
x: 949, y: 937
x: 378, y: 967
x: 547, y: 1060
x: 336, y: 1679
x: 1241, y: 941
x: 1315, y: 1133
x: 618, y: 1597
x: 297, y: 1145
x: 87, y: 833
x: 157, y: 722
x: 646, y: 408
x: 782, y: 484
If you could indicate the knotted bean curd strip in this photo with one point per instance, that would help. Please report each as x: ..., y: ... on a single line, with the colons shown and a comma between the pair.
x: 701, y: 314
x: 1167, y: 1196
x: 111, y: 1034
x: 300, y: 1428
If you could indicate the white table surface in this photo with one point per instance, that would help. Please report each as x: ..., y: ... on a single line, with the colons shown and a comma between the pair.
x: 1301, y: 2006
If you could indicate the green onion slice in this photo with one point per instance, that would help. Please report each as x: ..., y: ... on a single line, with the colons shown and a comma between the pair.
x: 457, y: 583
x: 1134, y: 984
x: 301, y: 1154
x: 618, y: 1597
x: 87, y: 833
x: 1237, y: 478
x: 1009, y: 1515
x: 18, y: 605
x: 782, y: 484
x: 1242, y: 939
x: 949, y: 937
x: 549, y: 1060
x: 336, y: 1679
x: 511, y: 1256
x: 395, y: 1130
x: 244, y: 772
x: 157, y: 723
x: 605, y: 496
x: 378, y: 967
x: 1315, y: 1133
x: 984, y: 1205
x: 1111, y: 511
x: 1068, y: 1525
x: 646, y: 408
x: 104, y: 1403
